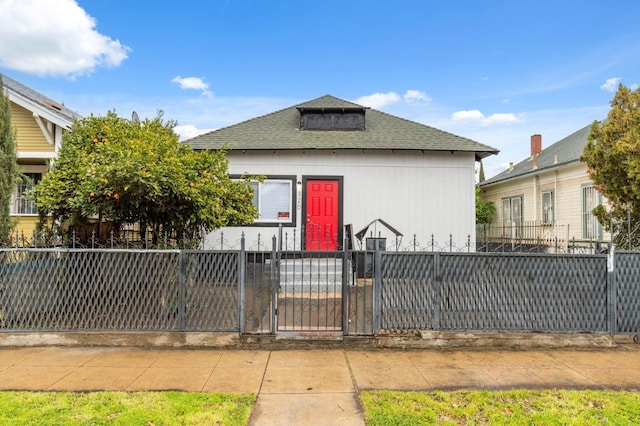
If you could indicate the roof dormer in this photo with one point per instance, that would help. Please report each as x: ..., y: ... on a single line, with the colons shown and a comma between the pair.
x: 334, y: 119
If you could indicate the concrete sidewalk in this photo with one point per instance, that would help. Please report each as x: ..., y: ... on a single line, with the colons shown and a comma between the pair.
x: 314, y: 386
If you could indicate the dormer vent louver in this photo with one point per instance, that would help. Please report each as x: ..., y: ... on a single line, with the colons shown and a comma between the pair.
x: 349, y: 119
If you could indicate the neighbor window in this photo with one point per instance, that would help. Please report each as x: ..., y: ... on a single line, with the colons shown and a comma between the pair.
x: 511, y: 216
x: 273, y: 199
x: 512, y: 210
x: 591, y: 229
x: 548, y: 207
x: 22, y: 205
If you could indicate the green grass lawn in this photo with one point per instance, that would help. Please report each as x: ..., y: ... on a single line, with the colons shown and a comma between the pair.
x: 546, y: 407
x: 124, y: 408
x: 520, y: 407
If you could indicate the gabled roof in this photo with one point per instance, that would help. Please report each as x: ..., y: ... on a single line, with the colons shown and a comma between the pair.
x: 36, y: 102
x: 564, y: 152
x: 280, y: 131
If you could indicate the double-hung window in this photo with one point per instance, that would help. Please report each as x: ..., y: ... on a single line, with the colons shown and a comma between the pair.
x: 21, y: 204
x: 511, y: 216
x: 548, y: 207
x: 591, y: 229
x: 512, y: 210
x: 273, y: 199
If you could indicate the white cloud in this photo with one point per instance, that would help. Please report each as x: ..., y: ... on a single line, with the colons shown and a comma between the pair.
x: 194, y: 83
x: 467, y: 115
x: 634, y: 86
x: 497, y: 119
x: 190, y: 83
x: 611, y: 85
x: 378, y: 100
x: 416, y: 95
x: 492, y: 120
x: 189, y: 131
x: 46, y: 37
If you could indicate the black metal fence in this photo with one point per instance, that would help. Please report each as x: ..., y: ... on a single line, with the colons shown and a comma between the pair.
x: 348, y: 292
x: 534, y: 237
x: 127, y: 290
x: 490, y: 292
x: 92, y: 237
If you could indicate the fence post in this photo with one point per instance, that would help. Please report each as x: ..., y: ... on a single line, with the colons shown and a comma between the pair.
x: 181, y: 289
x: 612, y: 308
x: 437, y: 275
x: 241, y: 279
x: 377, y: 285
x: 275, y: 283
x: 346, y: 271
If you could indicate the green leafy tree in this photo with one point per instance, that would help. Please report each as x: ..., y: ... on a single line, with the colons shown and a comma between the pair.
x: 8, y: 165
x: 612, y: 155
x: 485, y: 210
x: 129, y: 172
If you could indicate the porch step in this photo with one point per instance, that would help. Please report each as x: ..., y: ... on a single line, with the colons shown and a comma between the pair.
x: 321, y: 274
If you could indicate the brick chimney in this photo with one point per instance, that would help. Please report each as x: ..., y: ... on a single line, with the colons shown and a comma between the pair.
x: 536, y: 145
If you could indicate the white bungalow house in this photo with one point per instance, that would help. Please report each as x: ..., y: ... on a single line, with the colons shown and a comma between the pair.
x: 39, y: 123
x: 331, y: 165
x: 548, y: 197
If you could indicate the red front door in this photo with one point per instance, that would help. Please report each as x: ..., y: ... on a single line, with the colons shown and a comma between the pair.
x: 322, y: 215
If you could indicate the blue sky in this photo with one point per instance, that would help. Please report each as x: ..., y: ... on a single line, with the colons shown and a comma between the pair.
x: 493, y: 71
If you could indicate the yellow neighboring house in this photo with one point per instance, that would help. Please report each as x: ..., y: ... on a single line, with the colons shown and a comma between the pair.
x: 548, y: 197
x: 39, y: 124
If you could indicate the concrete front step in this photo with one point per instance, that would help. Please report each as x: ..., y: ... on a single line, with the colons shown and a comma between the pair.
x: 323, y: 273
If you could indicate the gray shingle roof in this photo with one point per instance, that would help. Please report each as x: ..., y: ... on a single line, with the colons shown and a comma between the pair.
x: 280, y: 130
x: 38, y: 98
x: 566, y: 151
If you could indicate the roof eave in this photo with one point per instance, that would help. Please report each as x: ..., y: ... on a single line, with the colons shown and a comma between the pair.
x: 57, y: 118
x: 530, y: 173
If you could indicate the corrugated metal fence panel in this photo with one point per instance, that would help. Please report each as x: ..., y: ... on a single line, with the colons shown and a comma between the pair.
x: 211, y: 296
x: 627, y: 278
x: 407, y: 291
x: 512, y: 292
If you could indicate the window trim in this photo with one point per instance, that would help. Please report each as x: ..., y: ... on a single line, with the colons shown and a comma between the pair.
x: 291, y: 179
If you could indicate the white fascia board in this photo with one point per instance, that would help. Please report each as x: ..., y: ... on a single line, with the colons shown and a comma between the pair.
x: 39, y: 110
x: 36, y: 154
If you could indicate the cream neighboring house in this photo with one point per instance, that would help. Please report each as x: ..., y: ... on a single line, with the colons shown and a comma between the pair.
x: 547, y: 197
x: 39, y: 124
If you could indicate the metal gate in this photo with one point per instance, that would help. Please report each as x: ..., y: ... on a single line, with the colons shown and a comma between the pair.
x: 308, y: 293
x: 309, y: 296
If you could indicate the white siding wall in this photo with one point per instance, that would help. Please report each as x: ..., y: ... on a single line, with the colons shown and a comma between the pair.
x: 416, y: 193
